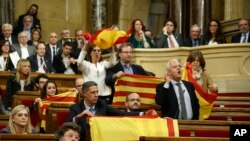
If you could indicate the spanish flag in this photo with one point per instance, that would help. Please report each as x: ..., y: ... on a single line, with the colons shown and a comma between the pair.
x: 141, y: 84
x: 206, y: 100
x: 65, y: 98
x: 131, y: 128
x: 107, y: 38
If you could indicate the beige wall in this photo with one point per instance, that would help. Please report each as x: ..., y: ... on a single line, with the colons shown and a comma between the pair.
x: 228, y: 64
x: 56, y: 14
x: 132, y: 9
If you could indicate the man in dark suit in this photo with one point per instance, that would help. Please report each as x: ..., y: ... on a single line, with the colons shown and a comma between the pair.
x: 177, y: 97
x: 124, y: 54
x: 133, y: 102
x: 39, y: 62
x: 51, y: 48
x: 64, y: 62
x: 243, y: 36
x: 194, y: 40
x: 78, y: 43
x: 91, y: 106
x: 7, y: 31
x: 169, y: 39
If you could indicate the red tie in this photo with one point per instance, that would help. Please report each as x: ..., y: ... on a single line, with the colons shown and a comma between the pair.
x: 171, y: 43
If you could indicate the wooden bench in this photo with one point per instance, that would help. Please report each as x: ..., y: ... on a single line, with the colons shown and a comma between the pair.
x: 150, y: 138
x: 230, y: 116
x: 56, y: 115
x: 63, y: 81
x: 27, y: 137
x: 207, y: 128
x: 232, y: 101
x: 4, y: 120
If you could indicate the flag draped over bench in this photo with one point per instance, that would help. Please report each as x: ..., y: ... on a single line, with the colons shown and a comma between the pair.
x: 206, y: 100
x: 143, y: 85
x: 64, y: 98
x: 131, y: 128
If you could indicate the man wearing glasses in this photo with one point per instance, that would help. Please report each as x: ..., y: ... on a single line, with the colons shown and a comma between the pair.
x: 133, y: 103
x: 124, y: 66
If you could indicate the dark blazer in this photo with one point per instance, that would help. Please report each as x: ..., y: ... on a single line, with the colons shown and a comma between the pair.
x: 102, y: 109
x: 7, y: 131
x: 34, y: 63
x: 12, y: 86
x: 110, y: 81
x: 75, y: 50
x: 48, y: 52
x: 162, y: 42
x: 167, y: 99
x: 236, y: 38
x: 31, y: 49
x: 13, y: 39
x: 189, y: 43
x: 60, y: 67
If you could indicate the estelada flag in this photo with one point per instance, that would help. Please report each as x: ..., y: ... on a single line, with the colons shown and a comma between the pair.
x: 131, y: 128
x: 206, y: 100
x: 64, y: 98
x: 141, y: 84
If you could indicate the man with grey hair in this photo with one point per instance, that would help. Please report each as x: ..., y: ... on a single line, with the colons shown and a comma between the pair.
x: 243, y: 36
x: 194, y: 40
x: 27, y: 26
x: 7, y: 31
x: 23, y: 49
x: 177, y: 97
x: 91, y: 106
x: 65, y: 34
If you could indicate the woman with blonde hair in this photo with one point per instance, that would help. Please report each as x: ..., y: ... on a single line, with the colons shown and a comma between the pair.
x: 19, y: 121
x: 21, y: 81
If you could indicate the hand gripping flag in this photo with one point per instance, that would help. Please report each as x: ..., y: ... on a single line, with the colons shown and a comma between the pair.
x: 206, y: 100
x: 65, y: 98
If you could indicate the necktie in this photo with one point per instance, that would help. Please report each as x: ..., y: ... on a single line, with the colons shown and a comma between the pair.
x: 92, y: 110
x: 195, y: 43
x: 54, y: 51
x: 44, y: 67
x: 244, y: 38
x: 182, y: 102
x: 171, y: 42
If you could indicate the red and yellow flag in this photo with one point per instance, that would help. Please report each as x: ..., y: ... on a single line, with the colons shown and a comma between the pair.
x: 107, y: 38
x: 65, y: 98
x: 131, y: 128
x: 206, y: 100
x: 143, y: 85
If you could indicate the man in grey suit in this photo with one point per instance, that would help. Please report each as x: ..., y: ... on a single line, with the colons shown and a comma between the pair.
x: 23, y: 49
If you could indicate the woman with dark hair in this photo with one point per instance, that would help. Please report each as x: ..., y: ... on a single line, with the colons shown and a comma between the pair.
x: 5, y: 60
x: 21, y: 81
x: 198, y: 64
x: 94, y: 68
x: 213, y: 33
x: 137, y: 37
x: 35, y: 37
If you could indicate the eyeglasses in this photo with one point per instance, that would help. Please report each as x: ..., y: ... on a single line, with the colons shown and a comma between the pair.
x: 138, y: 100
x: 127, y: 52
x: 213, y: 25
x: 71, y: 136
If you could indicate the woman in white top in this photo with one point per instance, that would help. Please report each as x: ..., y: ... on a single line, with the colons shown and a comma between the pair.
x: 5, y: 60
x: 94, y: 68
